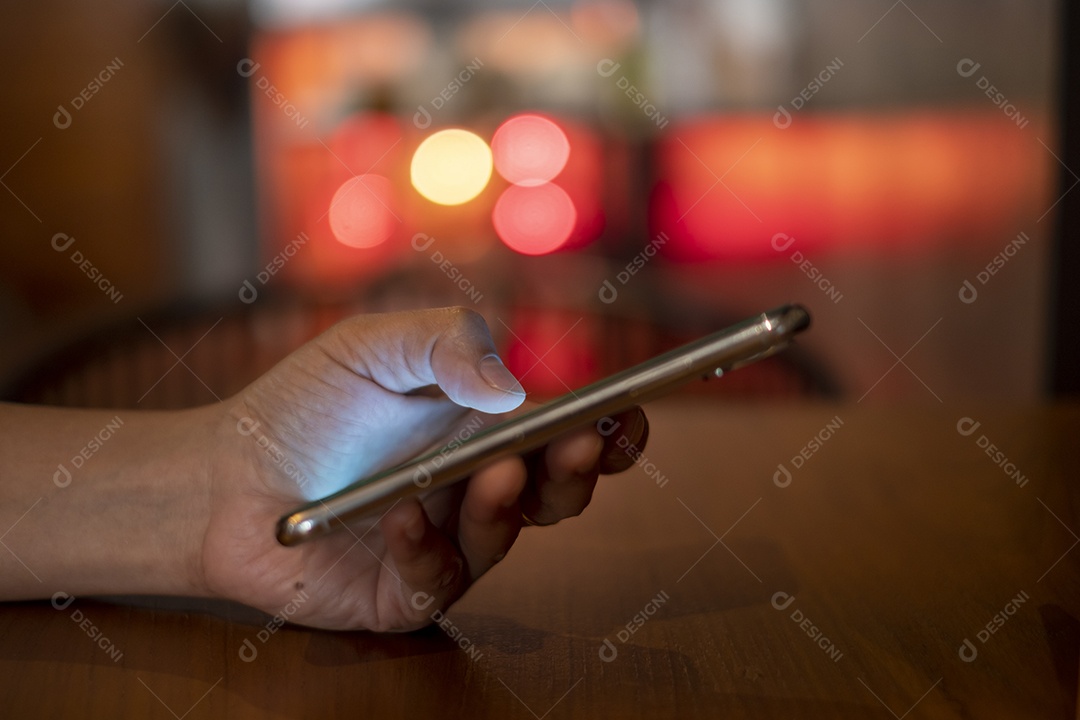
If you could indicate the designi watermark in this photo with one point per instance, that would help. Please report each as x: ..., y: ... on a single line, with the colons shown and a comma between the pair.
x: 61, y: 242
x: 782, y: 477
x: 422, y: 476
x: 606, y: 426
x: 62, y: 476
x: 607, y: 68
x: 967, y: 426
x: 248, y: 292
x: 62, y: 601
x: 249, y: 650
x: 608, y: 650
x: 249, y: 427
x: 968, y: 650
x: 783, y: 117
x: 967, y: 68
x: 421, y: 242
x: 781, y: 242
x: 62, y: 119
x: 422, y: 116
x: 608, y: 293
x: 422, y: 601
x: 782, y: 601
x: 247, y: 68
x: 968, y: 292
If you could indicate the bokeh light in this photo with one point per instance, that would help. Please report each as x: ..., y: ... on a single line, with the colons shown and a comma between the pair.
x: 534, y: 220
x: 361, y: 211
x: 451, y: 167
x: 530, y: 150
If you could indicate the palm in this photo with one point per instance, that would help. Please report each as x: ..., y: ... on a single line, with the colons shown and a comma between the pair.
x: 331, y: 427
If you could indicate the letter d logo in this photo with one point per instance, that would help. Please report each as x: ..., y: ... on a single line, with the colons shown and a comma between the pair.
x: 421, y: 478
x: 60, y: 600
x: 62, y: 118
x: 61, y: 242
x: 782, y: 241
x: 782, y: 477
x: 966, y: 68
x: 782, y: 600
x: 608, y: 293
x: 421, y: 600
x: 968, y: 293
x: 606, y: 426
x: 248, y: 294
x: 247, y: 67
x: 607, y: 67
x: 966, y: 426
x: 422, y: 241
x: 422, y: 118
x: 608, y: 651
x: 246, y: 426
x: 968, y: 652
x: 62, y: 477
x: 782, y: 118
x: 248, y: 651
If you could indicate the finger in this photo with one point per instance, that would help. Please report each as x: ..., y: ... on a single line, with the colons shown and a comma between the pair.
x: 563, y: 477
x: 449, y: 347
x: 490, y: 516
x: 625, y: 436
x: 429, y: 567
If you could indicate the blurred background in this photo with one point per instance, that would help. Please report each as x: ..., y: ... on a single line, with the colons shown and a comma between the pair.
x: 193, y: 188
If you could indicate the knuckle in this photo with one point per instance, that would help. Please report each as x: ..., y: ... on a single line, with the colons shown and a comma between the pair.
x: 464, y: 318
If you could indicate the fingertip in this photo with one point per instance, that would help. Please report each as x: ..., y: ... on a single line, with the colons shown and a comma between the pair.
x: 623, y: 447
x: 502, y: 392
x: 490, y: 518
x: 495, y: 489
x: 578, y: 452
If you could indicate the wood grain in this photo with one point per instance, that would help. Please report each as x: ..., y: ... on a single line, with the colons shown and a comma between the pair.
x: 897, y: 540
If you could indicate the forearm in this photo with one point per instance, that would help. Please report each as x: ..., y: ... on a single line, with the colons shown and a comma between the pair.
x: 102, y: 501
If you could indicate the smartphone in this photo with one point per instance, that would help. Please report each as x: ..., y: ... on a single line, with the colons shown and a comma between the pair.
x: 713, y: 355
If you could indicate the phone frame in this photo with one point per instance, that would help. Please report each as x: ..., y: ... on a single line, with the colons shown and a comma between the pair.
x: 715, y: 354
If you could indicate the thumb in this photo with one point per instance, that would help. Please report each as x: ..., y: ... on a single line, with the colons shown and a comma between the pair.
x: 448, y: 347
x: 467, y: 368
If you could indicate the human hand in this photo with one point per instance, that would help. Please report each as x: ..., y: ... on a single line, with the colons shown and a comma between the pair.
x: 358, y: 399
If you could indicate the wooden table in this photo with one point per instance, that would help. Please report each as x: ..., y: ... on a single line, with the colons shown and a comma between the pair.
x: 900, y: 572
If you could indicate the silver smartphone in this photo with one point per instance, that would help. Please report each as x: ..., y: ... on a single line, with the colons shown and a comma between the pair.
x: 715, y: 354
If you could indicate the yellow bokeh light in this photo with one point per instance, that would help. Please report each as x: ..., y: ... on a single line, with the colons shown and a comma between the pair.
x: 451, y: 167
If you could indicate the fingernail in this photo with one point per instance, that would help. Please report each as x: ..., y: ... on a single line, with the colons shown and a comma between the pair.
x: 498, y: 377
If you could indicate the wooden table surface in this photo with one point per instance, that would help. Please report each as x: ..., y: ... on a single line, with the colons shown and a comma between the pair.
x: 900, y: 572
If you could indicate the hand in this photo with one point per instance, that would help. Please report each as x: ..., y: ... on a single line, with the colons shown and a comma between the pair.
x: 357, y: 399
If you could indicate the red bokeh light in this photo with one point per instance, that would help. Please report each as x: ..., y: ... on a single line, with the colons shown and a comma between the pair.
x: 530, y: 150
x: 534, y: 220
x: 360, y: 212
x: 726, y: 185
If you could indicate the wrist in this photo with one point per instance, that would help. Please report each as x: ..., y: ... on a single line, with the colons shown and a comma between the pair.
x: 104, y: 502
